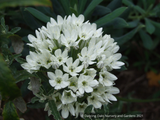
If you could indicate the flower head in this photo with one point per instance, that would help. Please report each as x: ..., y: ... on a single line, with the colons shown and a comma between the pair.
x: 77, y: 59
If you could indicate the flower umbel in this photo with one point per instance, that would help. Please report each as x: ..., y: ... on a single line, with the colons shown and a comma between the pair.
x: 77, y: 60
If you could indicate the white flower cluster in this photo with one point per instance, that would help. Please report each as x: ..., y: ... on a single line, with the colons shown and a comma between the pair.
x: 80, y: 58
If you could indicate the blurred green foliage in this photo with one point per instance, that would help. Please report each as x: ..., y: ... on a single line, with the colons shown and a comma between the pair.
x: 134, y: 24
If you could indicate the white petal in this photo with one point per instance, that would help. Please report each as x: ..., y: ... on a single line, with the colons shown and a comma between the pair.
x: 80, y: 18
x: 76, y: 62
x: 57, y: 52
x: 84, y: 51
x: 116, y: 65
x: 51, y: 75
x: 65, y: 53
x: 117, y: 56
x: 58, y: 73
x: 94, y: 83
x: 81, y: 90
x: 111, y: 76
x: 88, y: 89
x: 71, y: 109
x: 31, y: 38
x: 65, y: 112
x: 52, y: 83
x: 114, y: 90
x: 69, y: 61
x: 111, y: 97
x: 78, y: 69
x: 65, y: 77
x: 97, y: 104
x: 60, y: 20
x: 53, y: 21
x: 65, y: 68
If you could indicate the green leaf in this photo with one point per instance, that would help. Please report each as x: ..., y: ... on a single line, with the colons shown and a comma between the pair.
x: 8, y: 87
x: 20, y: 60
x: 156, y: 24
x: 114, y: 4
x: 30, y: 20
x: 91, y: 7
x: 144, y: 4
x: 87, y: 111
x: 149, y: 26
x: 9, y: 112
x: 133, y: 24
x: 73, y: 8
x: 125, y: 38
x: 73, y: 3
x: 22, y: 75
x: 54, y: 110
x: 3, y: 23
x: 65, y: 4
x: 139, y: 9
x: 102, y: 21
x: 81, y: 5
x: 14, y: 30
x: 128, y: 3
x: 39, y: 15
x: 119, y: 23
x: 146, y: 39
x: 15, y: 3
x: 151, y: 2
x: 101, y: 10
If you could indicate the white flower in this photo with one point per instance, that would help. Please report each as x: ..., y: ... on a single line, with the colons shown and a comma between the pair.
x: 73, y: 85
x: 58, y: 80
x: 90, y: 72
x: 68, y: 97
x: 80, y: 107
x: 69, y: 38
x: 57, y: 98
x: 106, y: 78
x: 87, y: 56
x: 33, y: 63
x: 73, y: 20
x: 86, y: 83
x: 112, y: 61
x: 99, y: 90
x: 66, y: 108
x: 53, y: 32
x: 95, y: 100
x: 72, y: 68
x: 107, y: 95
x: 45, y: 60
x: 98, y: 33
x: 86, y: 31
x: 59, y: 58
x: 112, y: 90
x: 47, y: 109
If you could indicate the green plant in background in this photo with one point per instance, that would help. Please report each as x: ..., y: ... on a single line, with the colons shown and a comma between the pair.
x: 145, y: 14
x: 130, y: 26
x: 10, y: 93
